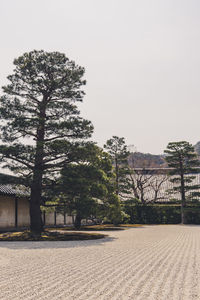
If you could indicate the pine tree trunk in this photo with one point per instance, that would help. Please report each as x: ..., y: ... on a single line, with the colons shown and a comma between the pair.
x: 117, y: 176
x: 142, y: 196
x: 77, y: 223
x: 183, y: 220
x: 36, y: 225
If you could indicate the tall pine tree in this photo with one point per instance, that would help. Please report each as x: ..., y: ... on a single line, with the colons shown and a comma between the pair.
x: 117, y: 148
x: 182, y: 158
x: 40, y: 120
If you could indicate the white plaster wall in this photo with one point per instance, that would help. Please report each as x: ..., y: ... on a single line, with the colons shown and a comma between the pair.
x: 59, y: 219
x: 69, y: 220
x: 7, y: 214
x: 7, y: 211
x: 49, y: 218
x: 23, y: 212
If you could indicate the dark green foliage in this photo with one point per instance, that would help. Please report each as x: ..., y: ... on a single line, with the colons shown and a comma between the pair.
x: 153, y: 214
x: 39, y: 104
x: 85, y: 188
x: 160, y: 213
x: 192, y: 215
x: 183, y: 160
x: 9, y: 179
x: 182, y: 157
x: 112, y: 212
x: 117, y: 148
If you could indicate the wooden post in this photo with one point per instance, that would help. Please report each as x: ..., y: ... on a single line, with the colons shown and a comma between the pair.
x: 64, y: 218
x: 16, y: 212
x: 55, y: 218
x: 44, y: 217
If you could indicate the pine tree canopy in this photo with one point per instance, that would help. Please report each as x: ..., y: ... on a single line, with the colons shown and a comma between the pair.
x: 117, y: 149
x: 182, y: 157
x: 39, y: 104
x: 184, y: 162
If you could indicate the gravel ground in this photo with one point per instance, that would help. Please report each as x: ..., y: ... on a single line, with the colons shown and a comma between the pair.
x: 151, y: 262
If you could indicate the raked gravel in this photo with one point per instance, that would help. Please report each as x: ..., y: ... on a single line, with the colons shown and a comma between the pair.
x: 147, y: 263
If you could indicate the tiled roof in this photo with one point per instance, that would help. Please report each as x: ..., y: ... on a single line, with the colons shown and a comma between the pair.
x: 10, y: 191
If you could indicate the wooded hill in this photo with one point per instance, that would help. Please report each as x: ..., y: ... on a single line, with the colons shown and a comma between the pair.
x: 147, y: 160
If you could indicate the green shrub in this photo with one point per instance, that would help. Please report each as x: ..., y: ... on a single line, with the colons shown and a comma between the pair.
x: 161, y: 213
x: 192, y: 215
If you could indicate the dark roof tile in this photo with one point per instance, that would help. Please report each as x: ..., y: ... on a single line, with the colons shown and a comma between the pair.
x: 10, y: 191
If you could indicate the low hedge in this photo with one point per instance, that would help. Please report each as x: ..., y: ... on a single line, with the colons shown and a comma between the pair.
x: 161, y: 214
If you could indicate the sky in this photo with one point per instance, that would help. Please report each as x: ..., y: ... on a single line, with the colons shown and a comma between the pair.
x: 142, y: 62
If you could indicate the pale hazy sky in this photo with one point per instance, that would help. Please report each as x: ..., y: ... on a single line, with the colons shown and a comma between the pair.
x: 142, y: 61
